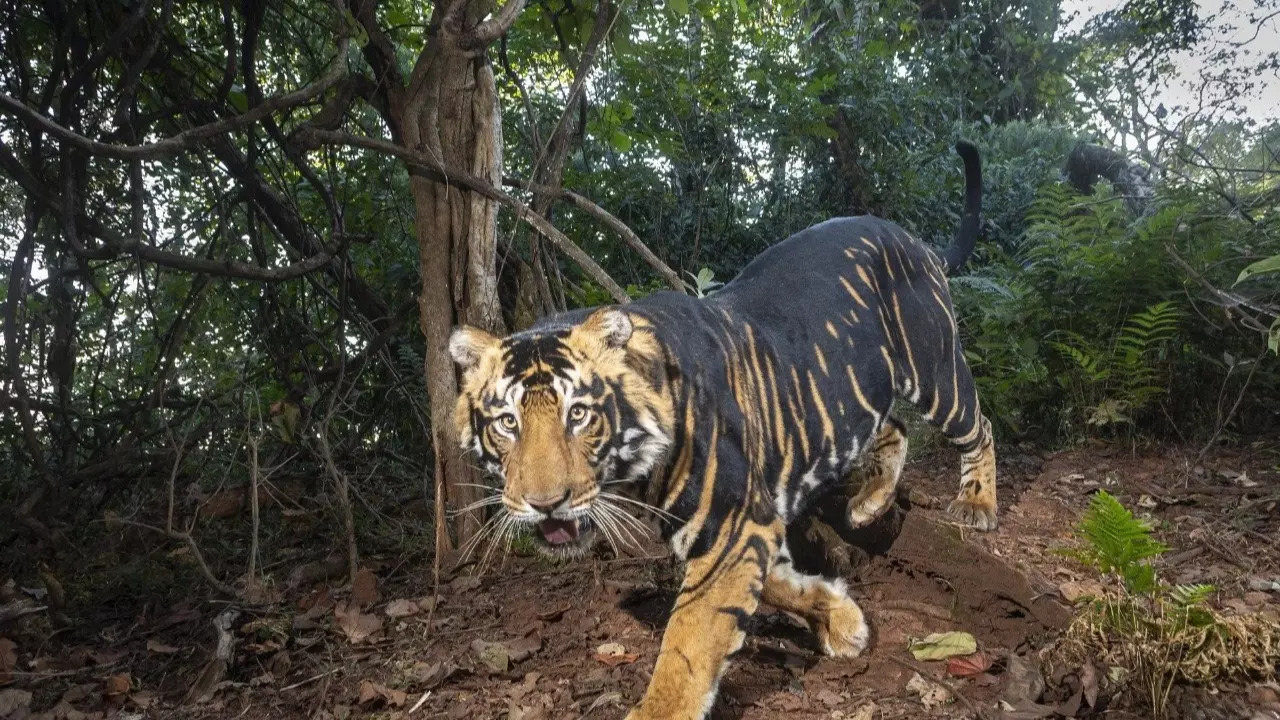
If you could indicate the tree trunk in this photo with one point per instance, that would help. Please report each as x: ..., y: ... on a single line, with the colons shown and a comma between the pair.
x: 453, y: 114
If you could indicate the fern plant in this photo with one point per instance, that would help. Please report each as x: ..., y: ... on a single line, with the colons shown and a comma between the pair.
x: 1119, y: 543
x: 1125, y: 378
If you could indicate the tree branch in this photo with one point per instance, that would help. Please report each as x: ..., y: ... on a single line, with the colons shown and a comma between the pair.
x: 429, y: 168
x: 486, y: 32
x: 187, y: 138
x: 612, y: 221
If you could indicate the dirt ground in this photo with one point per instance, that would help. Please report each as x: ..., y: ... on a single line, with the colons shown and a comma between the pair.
x: 533, y: 641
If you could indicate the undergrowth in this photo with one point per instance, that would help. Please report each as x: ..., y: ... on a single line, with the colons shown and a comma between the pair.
x: 1151, y: 635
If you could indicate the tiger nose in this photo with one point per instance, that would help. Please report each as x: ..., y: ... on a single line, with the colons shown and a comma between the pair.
x: 546, y: 504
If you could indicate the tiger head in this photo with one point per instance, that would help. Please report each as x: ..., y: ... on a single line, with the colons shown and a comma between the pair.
x: 560, y: 414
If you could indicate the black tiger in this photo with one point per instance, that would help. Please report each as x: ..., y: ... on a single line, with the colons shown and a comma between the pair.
x: 733, y: 413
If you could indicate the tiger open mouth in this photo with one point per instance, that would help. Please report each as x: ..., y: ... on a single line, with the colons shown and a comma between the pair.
x: 565, y: 536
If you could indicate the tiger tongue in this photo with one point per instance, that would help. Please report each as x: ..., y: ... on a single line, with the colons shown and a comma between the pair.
x: 558, y: 532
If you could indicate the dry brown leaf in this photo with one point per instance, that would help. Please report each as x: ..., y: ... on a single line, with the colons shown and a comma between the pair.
x: 355, y: 625
x: 142, y: 699
x: 611, y: 648
x: 614, y: 654
x: 14, y: 701
x: 364, y: 588
x: 372, y: 692
x: 493, y: 654
x: 1075, y: 590
x: 8, y: 657
x: 968, y: 665
x: 554, y: 615
x: 1089, y: 683
x: 864, y: 712
x: 430, y: 675
x: 118, y: 684
x: 156, y: 646
x: 464, y: 583
x: 523, y: 648
x: 402, y: 607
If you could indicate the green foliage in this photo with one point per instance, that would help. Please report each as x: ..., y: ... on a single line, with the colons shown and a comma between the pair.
x: 1155, y: 633
x: 1084, y: 324
x: 1118, y: 543
x: 1114, y: 383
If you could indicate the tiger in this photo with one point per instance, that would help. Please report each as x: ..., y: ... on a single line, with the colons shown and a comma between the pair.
x: 731, y: 415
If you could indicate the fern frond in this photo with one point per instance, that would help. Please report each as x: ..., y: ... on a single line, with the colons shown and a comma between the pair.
x: 1185, y: 596
x: 1119, y: 543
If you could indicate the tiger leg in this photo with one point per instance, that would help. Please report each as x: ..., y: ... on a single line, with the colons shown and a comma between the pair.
x: 721, y: 589
x: 834, y: 617
x: 883, y: 468
x: 976, y: 503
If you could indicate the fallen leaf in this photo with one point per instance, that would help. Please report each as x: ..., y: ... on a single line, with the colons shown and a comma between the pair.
x: 428, y: 676
x: 939, y: 646
x: 8, y: 657
x: 931, y: 694
x: 118, y: 684
x: 616, y: 660
x: 357, y: 626
x: 464, y: 583
x: 1089, y: 683
x: 402, y: 608
x: 1256, y: 599
x: 1023, y: 682
x: 1264, y: 584
x: 968, y: 665
x: 554, y: 615
x: 142, y: 699
x: 364, y: 588
x: 609, y: 698
x: 829, y: 698
x: 866, y: 711
x: 523, y: 648
x: 492, y: 654
x: 156, y: 646
x: 372, y: 692
x: 14, y: 701
x: 1071, y: 706
x: 611, y: 648
x: 1075, y: 590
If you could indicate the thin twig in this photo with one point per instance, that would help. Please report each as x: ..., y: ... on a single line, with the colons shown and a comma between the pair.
x: 923, y: 673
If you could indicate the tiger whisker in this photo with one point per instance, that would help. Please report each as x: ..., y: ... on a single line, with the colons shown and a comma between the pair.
x: 604, y: 524
x: 483, y: 502
x: 616, y: 517
x: 640, y: 504
x: 507, y: 523
x: 631, y: 519
x: 487, y: 529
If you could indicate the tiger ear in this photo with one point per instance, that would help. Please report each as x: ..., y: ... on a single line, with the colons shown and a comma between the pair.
x: 613, y: 326
x: 468, y: 344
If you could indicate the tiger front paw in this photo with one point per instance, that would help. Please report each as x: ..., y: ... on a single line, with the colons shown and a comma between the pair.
x: 974, y: 512
x: 844, y: 632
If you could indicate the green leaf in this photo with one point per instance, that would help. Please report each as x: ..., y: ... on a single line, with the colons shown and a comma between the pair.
x: 679, y: 7
x: 238, y: 99
x: 940, y: 646
x: 620, y: 141
x: 1262, y: 267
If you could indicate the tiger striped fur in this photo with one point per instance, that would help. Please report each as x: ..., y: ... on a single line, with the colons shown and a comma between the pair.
x: 734, y: 413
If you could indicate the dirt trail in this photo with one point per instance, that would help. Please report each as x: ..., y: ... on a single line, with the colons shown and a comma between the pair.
x: 581, y: 640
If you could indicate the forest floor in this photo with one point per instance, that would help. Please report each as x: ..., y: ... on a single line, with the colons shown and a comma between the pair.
x: 535, y: 641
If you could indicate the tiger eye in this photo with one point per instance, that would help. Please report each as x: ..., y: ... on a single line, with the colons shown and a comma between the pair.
x: 507, y: 421
x: 577, y: 413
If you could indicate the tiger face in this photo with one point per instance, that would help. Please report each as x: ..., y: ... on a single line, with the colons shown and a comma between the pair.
x: 560, y: 414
